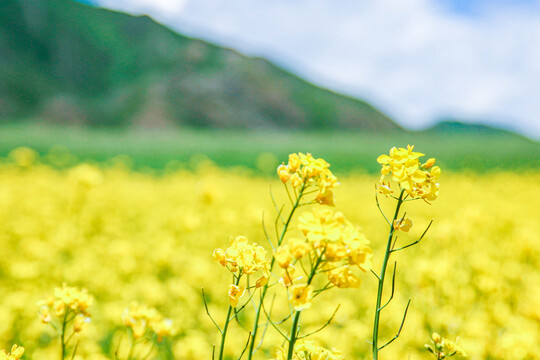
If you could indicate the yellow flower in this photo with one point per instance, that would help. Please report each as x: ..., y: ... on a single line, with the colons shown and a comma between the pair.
x: 307, y: 350
x: 404, y: 167
x: 301, y: 296
x: 298, y: 248
x: 305, y: 170
x: 283, y: 256
x: 403, y: 225
x: 79, y: 322
x: 219, y: 256
x: 248, y: 257
x: 15, y: 354
x: 444, y: 348
x: 360, y: 254
x: 163, y: 328
x: 286, y: 277
x: 140, y: 319
x: 263, y: 280
x: 235, y: 293
x: 343, y: 277
x: 319, y: 225
x: 325, y: 197
x: 283, y: 173
x: 45, y: 314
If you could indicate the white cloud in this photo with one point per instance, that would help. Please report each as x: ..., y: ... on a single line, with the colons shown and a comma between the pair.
x: 414, y: 59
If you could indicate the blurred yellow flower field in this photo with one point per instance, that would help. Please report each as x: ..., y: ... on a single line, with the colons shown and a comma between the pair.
x: 134, y: 237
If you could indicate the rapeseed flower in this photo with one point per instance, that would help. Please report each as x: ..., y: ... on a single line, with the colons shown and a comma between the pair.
x: 300, y: 296
x: 235, y: 293
x: 303, y: 171
x: 248, y: 258
x: 307, y: 350
x: 65, y: 298
x: 144, y: 320
x: 404, y: 167
x: 402, y: 224
x: 334, y: 238
x: 442, y: 348
x: 15, y: 354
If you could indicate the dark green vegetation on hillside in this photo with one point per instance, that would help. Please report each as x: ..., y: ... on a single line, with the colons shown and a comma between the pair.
x: 71, y: 63
x: 346, y: 151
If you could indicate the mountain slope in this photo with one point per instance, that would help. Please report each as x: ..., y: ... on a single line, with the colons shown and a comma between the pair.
x: 72, y: 63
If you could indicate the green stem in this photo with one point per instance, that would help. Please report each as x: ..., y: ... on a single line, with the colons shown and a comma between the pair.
x: 62, y: 335
x: 375, y: 347
x: 228, y: 320
x: 131, y: 345
x: 296, y: 319
x: 265, y: 287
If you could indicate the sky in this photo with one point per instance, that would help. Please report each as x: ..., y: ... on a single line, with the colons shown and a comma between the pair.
x: 416, y: 60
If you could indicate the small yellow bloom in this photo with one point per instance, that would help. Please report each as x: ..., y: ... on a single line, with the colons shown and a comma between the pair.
x: 79, y: 322
x: 16, y: 351
x: 219, y: 256
x: 283, y: 173
x: 283, y: 256
x: 301, y: 296
x: 429, y: 163
x: 325, y: 197
x: 286, y: 278
x: 343, y: 277
x: 263, y: 280
x: 15, y: 354
x: 298, y: 248
x: 403, y: 225
x: 45, y: 314
x: 235, y: 293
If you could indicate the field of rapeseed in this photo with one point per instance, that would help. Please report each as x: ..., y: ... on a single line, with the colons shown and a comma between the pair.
x: 143, y: 246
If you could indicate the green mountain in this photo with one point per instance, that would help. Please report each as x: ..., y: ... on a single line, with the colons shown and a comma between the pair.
x: 67, y: 62
x: 452, y: 126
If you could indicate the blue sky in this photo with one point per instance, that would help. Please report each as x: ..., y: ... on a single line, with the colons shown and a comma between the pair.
x: 417, y: 60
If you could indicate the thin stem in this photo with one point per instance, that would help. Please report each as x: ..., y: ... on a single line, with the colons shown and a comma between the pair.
x: 208, y: 312
x: 131, y: 345
x: 63, y: 334
x: 294, y: 329
x: 322, y: 327
x: 375, y: 338
x: 400, y: 327
x: 417, y: 241
x: 265, y: 287
x: 227, y: 321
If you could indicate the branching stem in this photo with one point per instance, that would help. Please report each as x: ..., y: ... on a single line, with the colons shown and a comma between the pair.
x: 378, y: 309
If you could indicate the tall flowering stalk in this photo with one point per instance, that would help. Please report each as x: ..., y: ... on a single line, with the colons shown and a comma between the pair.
x: 414, y: 181
x: 67, y: 313
x: 305, y: 175
x: 332, y: 246
x: 240, y: 258
x: 145, y: 326
x: 302, y: 176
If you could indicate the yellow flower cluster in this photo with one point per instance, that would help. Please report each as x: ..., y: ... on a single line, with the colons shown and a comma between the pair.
x: 249, y: 258
x: 443, y: 348
x: 303, y: 170
x: 67, y: 300
x: 337, y: 242
x: 245, y: 259
x: 15, y: 353
x: 419, y: 180
x: 307, y: 350
x: 143, y: 320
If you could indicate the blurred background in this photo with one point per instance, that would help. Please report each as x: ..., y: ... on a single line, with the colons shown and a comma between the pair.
x: 245, y: 83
